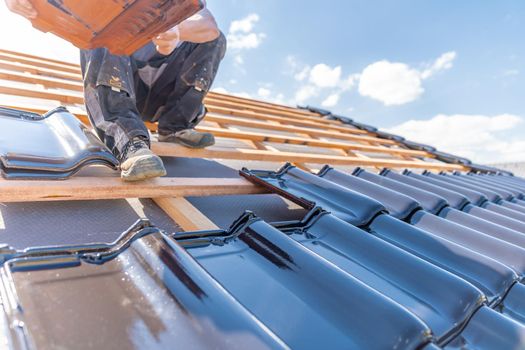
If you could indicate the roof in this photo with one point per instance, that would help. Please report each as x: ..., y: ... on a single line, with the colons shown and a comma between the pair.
x: 366, y: 241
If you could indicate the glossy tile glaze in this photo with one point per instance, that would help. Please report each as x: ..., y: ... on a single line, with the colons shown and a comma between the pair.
x: 398, y: 205
x: 69, y: 145
x: 150, y: 295
x: 473, y: 196
x: 310, y: 190
x: 445, y: 305
x: 429, y: 201
x: 306, y: 300
x: 454, y: 199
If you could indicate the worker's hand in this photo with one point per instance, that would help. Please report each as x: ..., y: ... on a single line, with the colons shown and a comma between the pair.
x: 22, y: 7
x: 167, y: 41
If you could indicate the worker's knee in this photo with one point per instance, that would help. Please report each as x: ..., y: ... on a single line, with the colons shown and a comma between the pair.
x: 215, y: 48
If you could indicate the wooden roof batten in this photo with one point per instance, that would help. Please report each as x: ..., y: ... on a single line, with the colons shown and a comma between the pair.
x: 42, y: 83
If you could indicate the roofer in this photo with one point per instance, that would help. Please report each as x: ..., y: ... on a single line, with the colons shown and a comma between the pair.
x: 165, y: 81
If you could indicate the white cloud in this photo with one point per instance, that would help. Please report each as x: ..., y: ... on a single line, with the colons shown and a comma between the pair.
x: 241, y: 35
x: 481, y: 138
x: 264, y: 92
x: 324, y: 76
x: 305, y: 93
x: 239, y: 59
x: 317, y: 80
x: 303, y: 74
x: 391, y: 83
x: 331, y: 101
x: 395, y: 83
x: 244, y: 25
x: 444, y: 62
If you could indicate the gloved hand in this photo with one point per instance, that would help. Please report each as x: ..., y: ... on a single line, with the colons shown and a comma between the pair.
x: 22, y: 7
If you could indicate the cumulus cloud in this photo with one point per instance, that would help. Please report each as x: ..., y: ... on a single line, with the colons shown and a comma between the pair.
x: 331, y: 101
x: 305, y: 93
x: 241, y: 34
x: 264, y: 92
x: 443, y: 62
x: 324, y: 76
x: 320, y: 80
x: 395, y: 83
x: 481, y: 138
x: 391, y: 83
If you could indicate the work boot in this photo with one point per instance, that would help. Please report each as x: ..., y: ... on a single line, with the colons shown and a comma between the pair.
x: 189, y: 138
x: 139, y: 162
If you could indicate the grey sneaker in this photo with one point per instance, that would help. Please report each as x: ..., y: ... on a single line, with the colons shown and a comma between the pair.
x: 140, y: 163
x: 189, y: 138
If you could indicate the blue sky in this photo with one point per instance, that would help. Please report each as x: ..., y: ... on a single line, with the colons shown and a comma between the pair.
x: 473, y: 105
x: 444, y: 72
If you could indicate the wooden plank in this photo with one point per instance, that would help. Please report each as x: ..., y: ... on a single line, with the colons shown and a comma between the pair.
x: 95, y: 188
x: 231, y: 121
x: 269, y: 105
x: 38, y: 62
x: 294, y: 129
x: 20, y: 67
x: 264, y: 137
x: 46, y: 59
x: 64, y: 97
x: 48, y: 82
x: 185, y: 214
x: 212, y: 107
x: 174, y: 150
x: 70, y: 98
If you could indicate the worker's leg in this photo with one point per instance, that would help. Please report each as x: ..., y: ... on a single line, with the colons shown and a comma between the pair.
x: 110, y: 98
x: 176, y: 98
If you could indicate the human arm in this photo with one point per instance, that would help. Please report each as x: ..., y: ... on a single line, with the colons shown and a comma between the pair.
x: 200, y: 28
x: 22, y: 7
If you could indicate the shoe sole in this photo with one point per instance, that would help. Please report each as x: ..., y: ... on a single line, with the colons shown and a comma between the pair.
x: 144, y: 168
x: 188, y: 145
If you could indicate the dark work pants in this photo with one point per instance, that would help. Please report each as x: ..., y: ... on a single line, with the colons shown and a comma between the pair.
x: 118, y: 101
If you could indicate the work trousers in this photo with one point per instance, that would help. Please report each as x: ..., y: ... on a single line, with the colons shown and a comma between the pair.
x: 118, y: 101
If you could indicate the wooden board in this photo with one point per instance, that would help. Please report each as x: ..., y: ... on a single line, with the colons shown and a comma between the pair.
x: 96, y: 188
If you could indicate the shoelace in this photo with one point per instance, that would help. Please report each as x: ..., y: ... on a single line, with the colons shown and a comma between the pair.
x: 133, y: 146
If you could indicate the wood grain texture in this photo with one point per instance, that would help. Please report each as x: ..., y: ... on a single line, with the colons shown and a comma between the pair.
x: 96, y: 188
x: 185, y: 214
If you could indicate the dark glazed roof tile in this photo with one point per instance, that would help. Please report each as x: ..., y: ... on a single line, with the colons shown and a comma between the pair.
x: 455, y: 199
x: 431, y: 202
x: 474, y: 197
x: 504, y: 252
x: 418, y: 146
x: 444, y: 306
x: 398, y: 205
x: 489, y: 275
x: 482, y: 181
x: 309, y: 190
x: 493, y: 194
x: 488, y: 330
x: 495, y: 218
x: 58, y: 147
x: 484, y: 226
x: 304, y: 299
x: 145, y: 292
